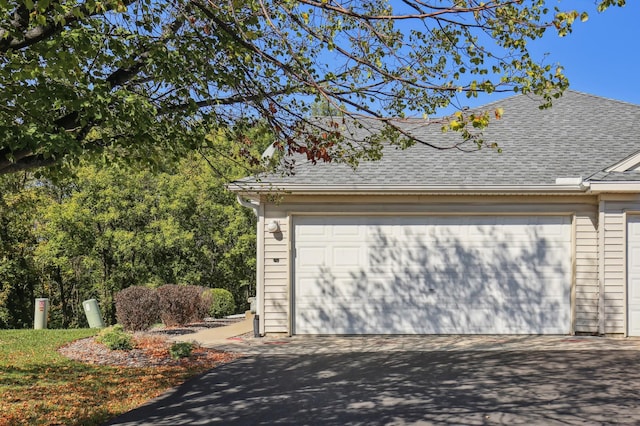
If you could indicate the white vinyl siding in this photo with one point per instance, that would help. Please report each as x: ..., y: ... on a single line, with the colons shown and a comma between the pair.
x: 586, y: 273
x: 276, y: 276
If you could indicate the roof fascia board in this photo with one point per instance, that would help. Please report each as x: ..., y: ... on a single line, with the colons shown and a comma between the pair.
x: 612, y: 186
x: 629, y: 163
x: 411, y: 189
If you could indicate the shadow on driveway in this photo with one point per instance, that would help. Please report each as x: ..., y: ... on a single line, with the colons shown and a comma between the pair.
x: 540, y: 387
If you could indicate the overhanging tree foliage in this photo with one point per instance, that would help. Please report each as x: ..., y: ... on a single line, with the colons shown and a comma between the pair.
x: 147, y: 79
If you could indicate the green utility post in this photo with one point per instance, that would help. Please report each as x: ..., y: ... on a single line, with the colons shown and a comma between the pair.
x: 41, y: 314
x: 92, y: 311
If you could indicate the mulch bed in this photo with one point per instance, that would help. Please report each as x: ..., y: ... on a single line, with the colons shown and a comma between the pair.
x: 151, y: 350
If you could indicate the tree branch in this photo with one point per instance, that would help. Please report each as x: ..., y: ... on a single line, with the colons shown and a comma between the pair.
x: 437, y: 11
x: 25, y: 163
x: 41, y: 32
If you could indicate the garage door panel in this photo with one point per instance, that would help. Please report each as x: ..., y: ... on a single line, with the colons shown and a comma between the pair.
x: 441, y: 281
x: 428, y: 317
x: 539, y: 260
x: 634, y: 253
x: 633, y: 275
x: 429, y: 275
x: 311, y: 260
x: 313, y: 229
x: 459, y: 272
x: 347, y: 256
x: 312, y: 255
x: 474, y: 290
x: 333, y: 286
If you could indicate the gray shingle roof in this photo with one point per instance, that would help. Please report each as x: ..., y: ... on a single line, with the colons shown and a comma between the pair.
x: 579, y: 136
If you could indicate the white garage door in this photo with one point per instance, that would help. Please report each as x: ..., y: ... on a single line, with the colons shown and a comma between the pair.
x: 432, y: 275
x: 633, y: 275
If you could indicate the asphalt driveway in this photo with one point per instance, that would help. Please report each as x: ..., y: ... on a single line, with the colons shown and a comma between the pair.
x: 400, y: 388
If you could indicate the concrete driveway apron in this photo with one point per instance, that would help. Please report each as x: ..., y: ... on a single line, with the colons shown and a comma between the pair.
x: 402, y: 380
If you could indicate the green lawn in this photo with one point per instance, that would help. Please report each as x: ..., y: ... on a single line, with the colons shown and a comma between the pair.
x: 41, y: 387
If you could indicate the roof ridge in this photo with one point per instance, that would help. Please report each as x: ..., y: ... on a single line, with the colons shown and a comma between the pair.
x: 490, y: 104
x: 592, y: 95
x: 537, y: 98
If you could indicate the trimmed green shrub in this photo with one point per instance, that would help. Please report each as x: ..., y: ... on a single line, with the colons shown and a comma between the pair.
x: 221, y: 302
x: 203, y: 304
x: 115, y: 338
x: 137, y: 308
x: 181, y: 350
x: 206, y: 300
x: 180, y: 304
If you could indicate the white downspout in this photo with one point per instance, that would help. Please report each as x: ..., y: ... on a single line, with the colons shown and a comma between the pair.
x: 249, y: 204
x: 260, y: 271
x: 258, y: 210
x: 601, y: 288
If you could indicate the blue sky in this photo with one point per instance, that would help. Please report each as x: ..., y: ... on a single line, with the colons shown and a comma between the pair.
x: 600, y: 57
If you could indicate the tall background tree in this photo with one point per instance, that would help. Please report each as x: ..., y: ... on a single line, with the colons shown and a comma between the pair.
x: 18, y: 272
x: 107, y: 228
x: 147, y: 79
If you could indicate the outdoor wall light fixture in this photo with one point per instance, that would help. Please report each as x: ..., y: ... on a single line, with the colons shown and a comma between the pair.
x: 273, y: 227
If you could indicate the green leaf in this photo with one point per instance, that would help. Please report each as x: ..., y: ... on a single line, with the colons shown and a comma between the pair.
x: 150, y: 85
